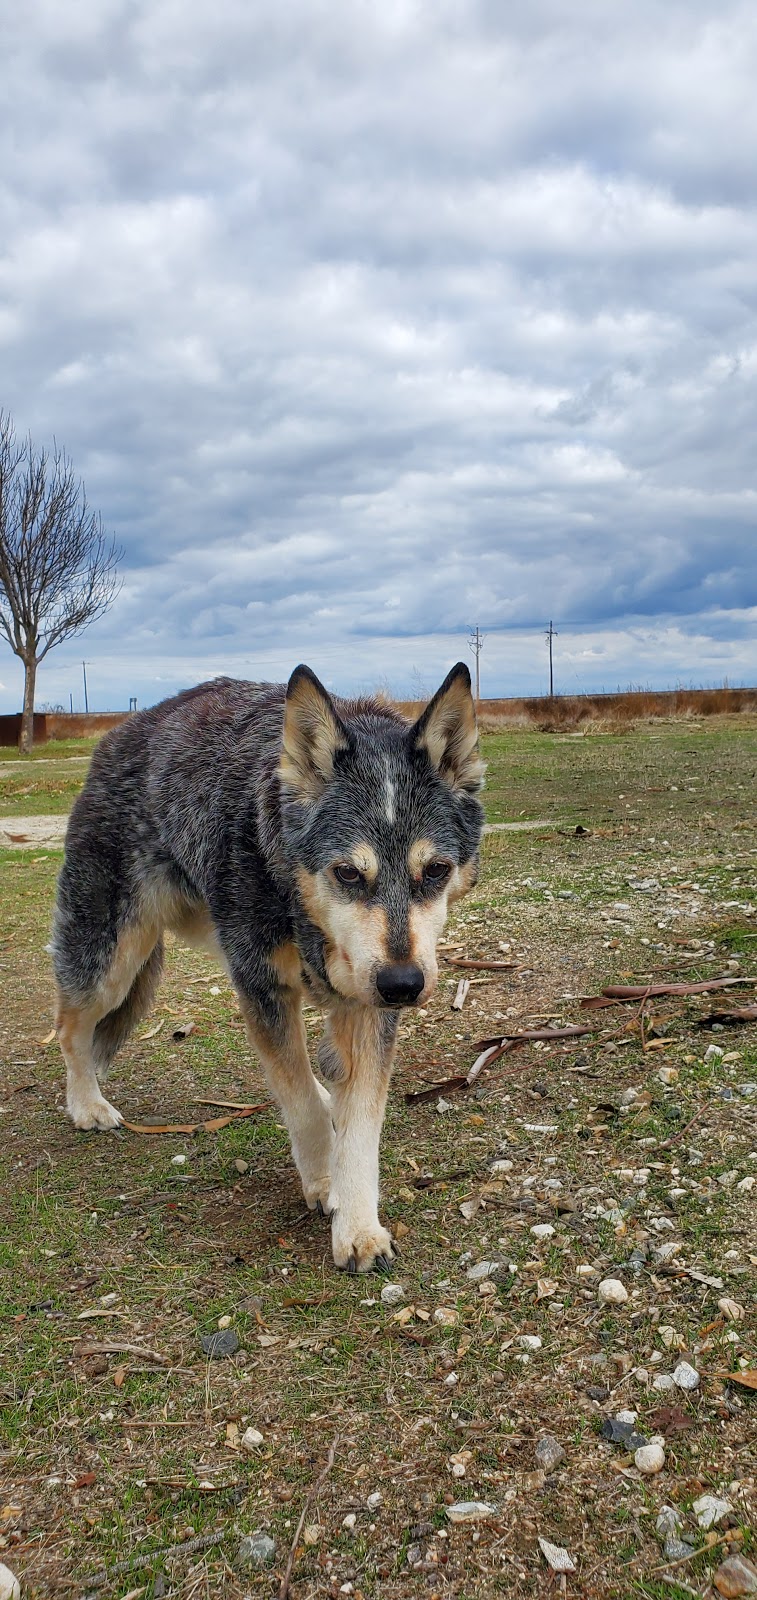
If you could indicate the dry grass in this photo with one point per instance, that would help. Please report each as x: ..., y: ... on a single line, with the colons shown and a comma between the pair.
x: 606, y: 712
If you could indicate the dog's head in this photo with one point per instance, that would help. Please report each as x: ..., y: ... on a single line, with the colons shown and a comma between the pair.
x: 383, y: 824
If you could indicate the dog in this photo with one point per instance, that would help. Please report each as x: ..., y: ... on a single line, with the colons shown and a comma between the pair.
x: 313, y: 844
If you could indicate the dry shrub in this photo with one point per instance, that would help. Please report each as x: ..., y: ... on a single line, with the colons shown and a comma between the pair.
x: 605, y: 713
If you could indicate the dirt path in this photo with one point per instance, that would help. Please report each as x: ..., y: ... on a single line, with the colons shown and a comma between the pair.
x: 28, y: 833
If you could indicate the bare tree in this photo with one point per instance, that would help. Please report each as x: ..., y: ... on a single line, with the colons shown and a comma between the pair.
x: 58, y: 568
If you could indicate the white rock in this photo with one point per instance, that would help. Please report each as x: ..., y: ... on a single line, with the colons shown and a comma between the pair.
x: 252, y: 1440
x: 650, y: 1458
x: 374, y: 1500
x: 471, y: 1511
x: 668, y: 1075
x: 728, y: 1179
x: 542, y: 1230
x: 10, y: 1588
x: 626, y: 1416
x: 713, y: 1052
x: 709, y: 1509
x: 178, y: 1161
x: 731, y: 1309
x: 224, y: 1322
x: 663, y: 1382
x: 349, y: 1521
x: 556, y: 1556
x: 529, y: 1341
x: 446, y: 1316
x: 747, y: 1184
x: 686, y: 1376
x: 585, y: 1271
x: 392, y: 1294
x: 612, y: 1292
x: 501, y: 1166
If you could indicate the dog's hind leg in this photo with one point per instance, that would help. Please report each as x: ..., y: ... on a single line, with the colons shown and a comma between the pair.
x: 91, y: 1028
x: 355, y: 1057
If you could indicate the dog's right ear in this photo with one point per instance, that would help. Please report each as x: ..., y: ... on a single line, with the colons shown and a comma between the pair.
x: 312, y: 736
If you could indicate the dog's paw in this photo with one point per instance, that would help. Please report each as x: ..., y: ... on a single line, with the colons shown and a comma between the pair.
x: 95, y: 1113
x: 358, y: 1249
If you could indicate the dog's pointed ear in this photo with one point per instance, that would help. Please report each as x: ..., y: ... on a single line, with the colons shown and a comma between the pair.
x: 448, y: 733
x: 312, y: 736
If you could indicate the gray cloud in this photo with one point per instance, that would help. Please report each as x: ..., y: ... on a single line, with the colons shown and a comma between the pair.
x: 363, y: 324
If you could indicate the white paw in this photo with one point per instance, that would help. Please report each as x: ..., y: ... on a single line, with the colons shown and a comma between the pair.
x: 359, y: 1248
x: 94, y: 1113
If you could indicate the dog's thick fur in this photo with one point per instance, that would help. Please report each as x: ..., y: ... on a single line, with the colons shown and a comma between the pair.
x: 310, y: 842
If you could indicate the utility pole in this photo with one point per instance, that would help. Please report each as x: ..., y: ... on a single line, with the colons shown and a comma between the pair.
x: 84, y: 671
x: 551, y: 634
x: 476, y: 644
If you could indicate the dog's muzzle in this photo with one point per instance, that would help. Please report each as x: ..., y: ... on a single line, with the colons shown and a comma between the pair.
x: 400, y: 985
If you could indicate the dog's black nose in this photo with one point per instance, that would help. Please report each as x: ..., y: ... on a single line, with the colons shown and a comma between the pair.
x: 400, y: 985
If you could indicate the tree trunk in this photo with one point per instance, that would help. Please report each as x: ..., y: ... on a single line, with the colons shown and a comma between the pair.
x: 26, y: 740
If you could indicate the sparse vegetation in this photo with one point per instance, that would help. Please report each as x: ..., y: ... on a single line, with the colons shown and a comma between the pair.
x: 107, y: 1458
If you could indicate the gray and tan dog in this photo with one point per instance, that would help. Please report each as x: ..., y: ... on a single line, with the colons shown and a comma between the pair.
x: 312, y: 843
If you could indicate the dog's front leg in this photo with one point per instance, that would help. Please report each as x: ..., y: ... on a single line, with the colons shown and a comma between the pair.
x: 277, y: 1033
x: 356, y: 1058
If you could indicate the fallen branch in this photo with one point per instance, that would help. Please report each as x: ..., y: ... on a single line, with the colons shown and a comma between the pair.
x: 309, y: 1498
x: 481, y: 966
x: 617, y: 993
x: 573, y: 1031
x: 118, y: 1347
x: 213, y: 1125
x: 138, y: 1563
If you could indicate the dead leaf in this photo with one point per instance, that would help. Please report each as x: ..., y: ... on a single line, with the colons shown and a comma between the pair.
x: 748, y: 1380
x: 85, y: 1480
x: 151, y: 1032
x: 671, y: 1420
x: 725, y: 1019
x: 48, y: 1039
x: 118, y: 1377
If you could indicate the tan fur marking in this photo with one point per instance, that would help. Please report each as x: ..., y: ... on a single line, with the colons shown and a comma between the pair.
x: 366, y: 861
x: 287, y: 965
x: 451, y: 738
x: 463, y: 880
x: 419, y: 855
x: 357, y: 936
x: 194, y: 926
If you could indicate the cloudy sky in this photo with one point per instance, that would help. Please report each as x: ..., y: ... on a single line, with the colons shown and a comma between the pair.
x: 364, y: 323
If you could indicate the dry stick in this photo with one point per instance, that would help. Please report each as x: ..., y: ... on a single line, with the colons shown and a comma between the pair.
x: 680, y: 1561
x: 309, y: 1498
x: 137, y: 1563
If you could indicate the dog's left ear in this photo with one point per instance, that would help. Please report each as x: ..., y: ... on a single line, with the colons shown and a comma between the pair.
x: 312, y: 736
x: 448, y: 733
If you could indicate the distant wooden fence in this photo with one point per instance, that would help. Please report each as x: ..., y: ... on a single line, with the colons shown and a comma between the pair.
x: 60, y: 725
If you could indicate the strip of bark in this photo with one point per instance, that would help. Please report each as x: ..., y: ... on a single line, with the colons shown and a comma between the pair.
x: 481, y: 966
x: 616, y: 994
x: 213, y: 1125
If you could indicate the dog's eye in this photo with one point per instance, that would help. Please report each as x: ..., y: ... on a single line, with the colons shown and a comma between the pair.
x: 436, y: 871
x: 348, y: 875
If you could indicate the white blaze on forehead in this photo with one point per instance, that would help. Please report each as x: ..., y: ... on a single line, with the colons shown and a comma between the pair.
x: 389, y: 810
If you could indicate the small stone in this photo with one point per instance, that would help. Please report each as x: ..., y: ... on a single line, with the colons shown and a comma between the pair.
x: 252, y: 1440
x: 500, y: 1166
x: 650, y: 1458
x: 471, y: 1511
x: 746, y: 1185
x: 482, y: 1270
x: 675, y: 1549
x: 731, y: 1309
x: 623, y: 1433
x: 224, y: 1322
x: 218, y: 1346
x: 542, y: 1230
x: 668, y: 1522
x: 728, y: 1179
x: 446, y: 1316
x: 392, y: 1294
x: 663, y: 1382
x: 549, y: 1453
x: 747, y: 1089
x: 241, y: 1165
x: 529, y: 1341
x: 178, y: 1161
x: 668, y: 1075
x: 612, y: 1292
x: 685, y: 1376
x: 349, y: 1521
x: 256, y: 1550
x: 374, y: 1500
x: 713, y: 1052
x: 10, y: 1588
x: 736, y: 1577
x: 585, y: 1271
x: 312, y: 1533
x: 710, y: 1509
